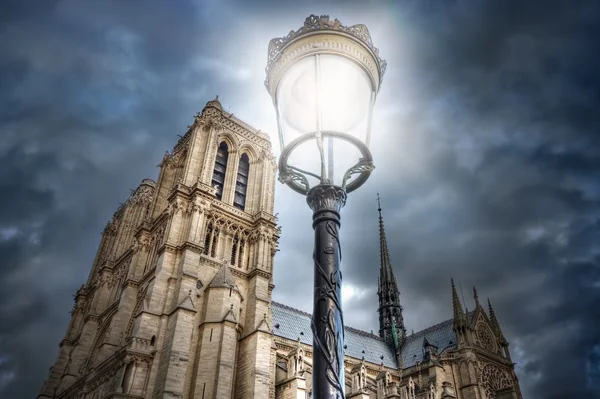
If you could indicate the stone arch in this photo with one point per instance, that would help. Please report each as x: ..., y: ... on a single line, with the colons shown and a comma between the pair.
x: 179, y: 162
x: 138, y: 306
x: 229, y: 139
x: 100, y: 334
x: 494, y: 379
x: 250, y: 151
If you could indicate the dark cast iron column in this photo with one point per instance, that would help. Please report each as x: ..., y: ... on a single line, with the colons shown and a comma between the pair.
x: 327, y: 323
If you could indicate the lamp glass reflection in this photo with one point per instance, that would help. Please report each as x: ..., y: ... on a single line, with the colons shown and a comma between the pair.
x: 319, y: 93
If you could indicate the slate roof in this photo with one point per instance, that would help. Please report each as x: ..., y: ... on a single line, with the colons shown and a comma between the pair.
x: 292, y: 324
x: 440, y: 335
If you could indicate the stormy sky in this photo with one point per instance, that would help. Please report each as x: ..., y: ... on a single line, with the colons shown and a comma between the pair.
x: 485, y: 137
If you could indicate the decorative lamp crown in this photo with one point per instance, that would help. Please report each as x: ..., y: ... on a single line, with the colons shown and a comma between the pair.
x: 325, y: 28
x: 324, y: 79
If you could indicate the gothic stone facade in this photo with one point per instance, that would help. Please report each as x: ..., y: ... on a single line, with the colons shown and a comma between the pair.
x: 178, y: 300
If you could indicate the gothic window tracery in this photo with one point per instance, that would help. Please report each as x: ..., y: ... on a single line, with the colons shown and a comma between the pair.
x: 218, y: 178
x: 241, y: 184
x: 494, y: 379
x: 486, y: 338
x: 155, y: 243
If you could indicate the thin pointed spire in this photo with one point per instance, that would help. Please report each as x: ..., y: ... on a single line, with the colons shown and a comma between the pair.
x: 476, y: 297
x: 391, y: 321
x: 386, y: 272
x: 456, y: 306
x: 492, y: 313
x: 455, y: 301
x: 496, y: 324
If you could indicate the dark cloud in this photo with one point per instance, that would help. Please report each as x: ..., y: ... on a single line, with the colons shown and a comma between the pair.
x: 485, y: 141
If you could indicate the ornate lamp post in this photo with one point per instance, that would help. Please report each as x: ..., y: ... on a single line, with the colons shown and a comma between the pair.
x: 323, y: 79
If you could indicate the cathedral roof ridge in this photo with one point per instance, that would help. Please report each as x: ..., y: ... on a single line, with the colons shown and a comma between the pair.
x: 355, y: 330
x: 294, y: 324
x: 436, y: 326
x: 430, y: 328
x: 364, y: 333
x: 287, y: 307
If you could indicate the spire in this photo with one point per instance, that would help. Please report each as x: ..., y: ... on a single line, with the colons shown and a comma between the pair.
x: 457, y: 307
x: 494, y: 321
x: 476, y: 297
x: 391, y: 321
x: 492, y: 313
x: 386, y: 272
x: 455, y: 301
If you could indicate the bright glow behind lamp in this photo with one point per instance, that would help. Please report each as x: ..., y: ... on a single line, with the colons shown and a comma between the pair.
x: 323, y: 79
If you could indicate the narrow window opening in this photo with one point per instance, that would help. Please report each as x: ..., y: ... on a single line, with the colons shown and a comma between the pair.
x: 241, y: 257
x: 152, y: 340
x: 234, y: 249
x: 209, y: 231
x: 218, y: 179
x: 210, y: 338
x: 213, y: 251
x: 241, y: 183
x: 127, y: 378
x: 230, y: 290
x: 203, y: 390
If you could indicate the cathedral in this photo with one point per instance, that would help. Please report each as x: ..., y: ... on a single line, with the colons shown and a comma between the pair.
x: 178, y: 300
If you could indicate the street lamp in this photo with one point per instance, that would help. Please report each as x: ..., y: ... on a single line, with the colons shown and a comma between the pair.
x: 323, y: 79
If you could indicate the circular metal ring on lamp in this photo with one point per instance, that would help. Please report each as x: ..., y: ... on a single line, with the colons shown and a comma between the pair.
x: 295, y: 178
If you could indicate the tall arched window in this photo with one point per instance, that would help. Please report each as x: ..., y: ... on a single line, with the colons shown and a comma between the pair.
x: 211, y: 240
x: 218, y: 179
x: 241, y: 183
x: 234, y: 250
x: 240, y: 259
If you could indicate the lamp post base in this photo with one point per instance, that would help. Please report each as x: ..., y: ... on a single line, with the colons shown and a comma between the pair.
x: 327, y: 322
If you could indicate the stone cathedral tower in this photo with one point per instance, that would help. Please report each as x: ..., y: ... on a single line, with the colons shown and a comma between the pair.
x: 177, y: 302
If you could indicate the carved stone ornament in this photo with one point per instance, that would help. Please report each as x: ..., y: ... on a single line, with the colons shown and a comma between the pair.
x: 200, y: 205
x: 485, y: 338
x: 179, y: 206
x: 210, y: 118
x: 321, y: 33
x: 111, y: 226
x: 144, y: 194
x: 142, y: 242
x: 118, y: 274
x: 494, y: 379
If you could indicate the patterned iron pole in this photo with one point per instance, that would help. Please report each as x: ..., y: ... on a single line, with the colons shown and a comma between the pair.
x: 327, y: 323
x: 352, y: 45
